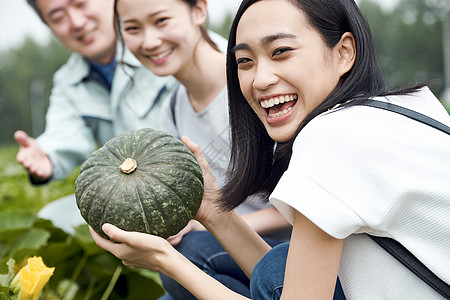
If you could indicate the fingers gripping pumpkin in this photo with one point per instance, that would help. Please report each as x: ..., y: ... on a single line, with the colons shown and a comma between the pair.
x: 142, y: 180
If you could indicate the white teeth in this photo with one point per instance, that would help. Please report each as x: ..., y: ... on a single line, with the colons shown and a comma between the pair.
x: 156, y: 57
x: 280, y: 113
x: 85, y: 36
x: 277, y: 100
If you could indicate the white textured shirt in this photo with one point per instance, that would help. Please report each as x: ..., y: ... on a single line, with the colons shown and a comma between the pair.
x: 367, y: 170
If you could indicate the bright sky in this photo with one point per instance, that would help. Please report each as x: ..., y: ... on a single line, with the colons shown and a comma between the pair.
x: 18, y: 20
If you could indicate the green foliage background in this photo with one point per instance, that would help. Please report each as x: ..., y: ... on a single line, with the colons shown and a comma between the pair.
x: 17, y: 193
x: 409, y: 41
x: 19, y: 69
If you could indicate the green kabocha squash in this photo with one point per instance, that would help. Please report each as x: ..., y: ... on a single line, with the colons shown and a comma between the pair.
x: 142, y: 180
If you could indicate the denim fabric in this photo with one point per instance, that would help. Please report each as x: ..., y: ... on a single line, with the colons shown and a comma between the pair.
x: 202, y: 249
x: 268, y: 276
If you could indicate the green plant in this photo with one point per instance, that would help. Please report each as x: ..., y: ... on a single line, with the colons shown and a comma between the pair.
x: 142, y: 180
x: 16, y: 190
x: 82, y: 269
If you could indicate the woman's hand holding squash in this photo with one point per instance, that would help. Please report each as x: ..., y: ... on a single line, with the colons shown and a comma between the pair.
x: 209, y: 210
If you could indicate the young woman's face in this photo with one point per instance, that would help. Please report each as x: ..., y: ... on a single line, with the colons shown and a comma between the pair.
x: 161, y: 34
x: 285, y: 70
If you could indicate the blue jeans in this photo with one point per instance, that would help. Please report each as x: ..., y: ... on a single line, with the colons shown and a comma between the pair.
x: 202, y: 249
x: 268, y: 276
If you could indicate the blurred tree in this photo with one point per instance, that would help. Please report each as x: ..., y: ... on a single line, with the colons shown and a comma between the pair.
x: 21, y: 68
x: 408, y: 41
x: 223, y: 27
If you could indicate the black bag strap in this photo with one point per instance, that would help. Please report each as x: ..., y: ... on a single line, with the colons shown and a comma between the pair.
x: 408, y: 113
x: 408, y: 259
x: 393, y: 247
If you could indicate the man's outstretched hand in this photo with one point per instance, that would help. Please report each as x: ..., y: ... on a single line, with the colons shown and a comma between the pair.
x: 32, y: 157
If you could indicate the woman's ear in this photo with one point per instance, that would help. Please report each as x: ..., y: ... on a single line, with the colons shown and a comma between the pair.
x: 347, y: 52
x: 200, y: 12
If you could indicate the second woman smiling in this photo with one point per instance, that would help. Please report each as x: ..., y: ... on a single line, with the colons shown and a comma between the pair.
x: 169, y: 38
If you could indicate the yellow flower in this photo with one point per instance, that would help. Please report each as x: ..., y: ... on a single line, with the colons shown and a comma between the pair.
x: 31, y: 279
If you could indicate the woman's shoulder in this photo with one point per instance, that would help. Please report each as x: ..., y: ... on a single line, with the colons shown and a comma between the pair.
x: 422, y: 101
x: 341, y: 123
x: 362, y: 129
x: 360, y: 120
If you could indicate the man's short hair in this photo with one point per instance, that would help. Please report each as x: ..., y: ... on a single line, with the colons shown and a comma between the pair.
x: 33, y: 4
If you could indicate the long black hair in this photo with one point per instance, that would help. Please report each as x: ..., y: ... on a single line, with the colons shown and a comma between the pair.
x: 256, y: 165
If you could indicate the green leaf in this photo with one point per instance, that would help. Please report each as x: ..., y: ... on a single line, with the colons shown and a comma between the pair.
x: 68, y: 288
x: 28, y: 243
x: 57, y: 234
x: 85, y: 240
x: 5, y: 294
x: 59, y: 252
x: 152, y: 275
x: 65, y: 270
x: 102, y: 265
x: 15, y: 219
x: 5, y: 279
x: 139, y: 285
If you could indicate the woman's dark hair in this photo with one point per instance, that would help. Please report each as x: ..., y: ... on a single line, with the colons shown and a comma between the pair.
x: 191, y: 3
x: 255, y: 167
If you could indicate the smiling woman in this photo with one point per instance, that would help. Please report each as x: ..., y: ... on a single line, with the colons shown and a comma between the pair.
x: 170, y: 38
x: 156, y: 33
x: 272, y: 59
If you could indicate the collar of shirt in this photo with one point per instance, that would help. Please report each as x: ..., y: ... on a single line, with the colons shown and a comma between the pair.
x: 78, y: 69
x: 103, y: 74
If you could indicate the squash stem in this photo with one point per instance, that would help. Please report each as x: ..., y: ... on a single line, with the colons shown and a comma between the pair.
x: 112, y: 282
x: 90, y: 288
x: 77, y: 271
x: 79, y: 267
